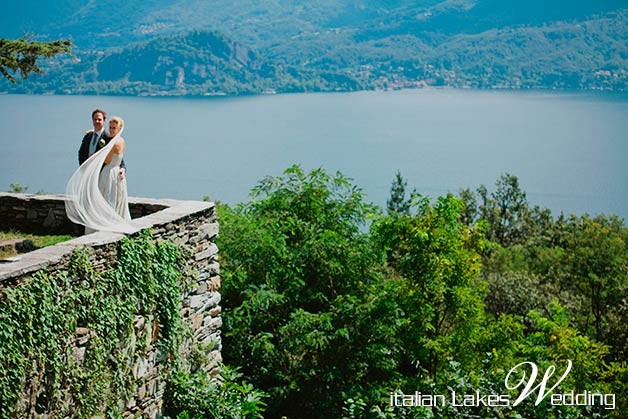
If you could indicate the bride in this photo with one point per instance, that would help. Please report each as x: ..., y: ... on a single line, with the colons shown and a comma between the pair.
x: 97, y: 194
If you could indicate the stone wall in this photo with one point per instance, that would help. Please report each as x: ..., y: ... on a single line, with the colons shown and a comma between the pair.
x: 190, y: 224
x: 45, y: 214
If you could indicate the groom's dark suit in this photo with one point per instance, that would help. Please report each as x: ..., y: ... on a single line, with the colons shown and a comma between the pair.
x: 83, y: 153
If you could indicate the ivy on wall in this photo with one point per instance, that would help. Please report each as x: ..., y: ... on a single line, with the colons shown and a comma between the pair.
x: 39, y: 320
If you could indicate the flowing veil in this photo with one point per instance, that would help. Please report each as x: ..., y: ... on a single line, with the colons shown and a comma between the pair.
x: 85, y: 204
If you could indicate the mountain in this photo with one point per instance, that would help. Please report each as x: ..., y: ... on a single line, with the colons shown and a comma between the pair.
x: 202, y: 59
x: 262, y: 23
x: 198, y: 63
x: 195, y: 63
x: 250, y: 46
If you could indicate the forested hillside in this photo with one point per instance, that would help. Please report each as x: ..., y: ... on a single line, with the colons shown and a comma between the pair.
x: 169, y: 46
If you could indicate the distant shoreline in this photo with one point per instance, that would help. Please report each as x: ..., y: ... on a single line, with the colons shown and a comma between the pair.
x: 218, y: 96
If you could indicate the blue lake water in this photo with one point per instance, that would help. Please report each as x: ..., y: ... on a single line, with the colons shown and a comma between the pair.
x: 569, y: 150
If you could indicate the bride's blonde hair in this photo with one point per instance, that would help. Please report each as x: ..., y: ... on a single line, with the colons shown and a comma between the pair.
x: 118, y: 119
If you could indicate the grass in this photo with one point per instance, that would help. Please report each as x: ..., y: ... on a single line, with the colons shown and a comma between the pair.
x: 38, y: 241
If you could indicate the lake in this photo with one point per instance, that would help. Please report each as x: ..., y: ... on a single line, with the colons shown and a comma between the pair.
x: 569, y: 150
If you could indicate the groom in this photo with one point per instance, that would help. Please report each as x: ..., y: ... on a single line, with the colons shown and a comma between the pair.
x: 96, y: 139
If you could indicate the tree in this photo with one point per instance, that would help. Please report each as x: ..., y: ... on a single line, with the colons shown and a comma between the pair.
x: 470, y: 209
x: 398, y: 203
x: 297, y: 269
x: 596, y: 262
x: 20, y: 55
x: 506, y: 210
x: 17, y: 188
x: 510, y: 209
x: 436, y: 258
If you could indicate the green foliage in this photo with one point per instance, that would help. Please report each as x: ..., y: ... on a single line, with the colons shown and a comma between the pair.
x: 38, y: 323
x: 505, y: 210
x: 580, y: 260
x: 551, y: 341
x: 596, y: 265
x: 567, y: 275
x: 450, y: 295
x: 398, y: 203
x: 297, y: 271
x: 437, y: 257
x: 39, y: 318
x: 20, y: 55
x: 17, y: 188
x: 197, y: 395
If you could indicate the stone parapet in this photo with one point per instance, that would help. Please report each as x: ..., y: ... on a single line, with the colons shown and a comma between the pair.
x: 192, y: 225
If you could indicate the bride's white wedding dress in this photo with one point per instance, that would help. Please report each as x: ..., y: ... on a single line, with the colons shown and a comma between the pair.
x: 96, y: 197
x: 114, y: 189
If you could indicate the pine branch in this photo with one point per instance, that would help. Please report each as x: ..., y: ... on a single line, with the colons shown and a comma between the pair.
x: 20, y: 55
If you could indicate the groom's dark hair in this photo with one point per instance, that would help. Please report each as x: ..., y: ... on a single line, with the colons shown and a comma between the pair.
x: 104, y: 114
